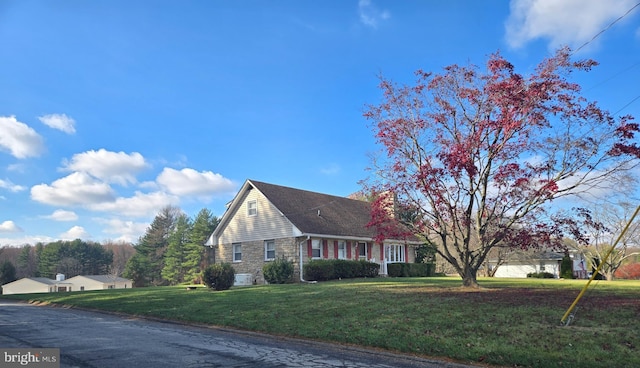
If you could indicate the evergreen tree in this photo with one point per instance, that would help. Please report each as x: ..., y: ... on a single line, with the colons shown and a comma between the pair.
x: 203, y: 225
x: 7, y: 272
x: 137, y: 269
x: 176, y: 257
x: 73, y: 258
x: 27, y: 262
x: 152, y: 246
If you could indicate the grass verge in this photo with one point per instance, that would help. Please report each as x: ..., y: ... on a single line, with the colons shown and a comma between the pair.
x: 508, y: 322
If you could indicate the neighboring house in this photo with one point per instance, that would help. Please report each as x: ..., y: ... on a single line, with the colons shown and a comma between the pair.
x: 99, y: 282
x: 30, y: 285
x: 521, y: 264
x: 266, y: 221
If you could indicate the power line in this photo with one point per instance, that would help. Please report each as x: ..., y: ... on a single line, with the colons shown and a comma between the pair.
x: 607, y: 28
x: 627, y: 105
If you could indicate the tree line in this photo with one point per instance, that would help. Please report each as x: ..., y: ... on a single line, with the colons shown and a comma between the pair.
x: 170, y: 252
x: 71, y: 258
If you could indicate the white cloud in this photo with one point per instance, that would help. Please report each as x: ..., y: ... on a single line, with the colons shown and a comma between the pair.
x: 112, y: 167
x: 6, y: 184
x: 59, y: 121
x: 566, y: 22
x: 127, y: 231
x: 370, y: 15
x: 140, y: 205
x: 62, y: 215
x: 20, y: 140
x: 75, y: 189
x: 189, y: 182
x: 9, y: 227
x: 76, y: 232
x: 30, y: 239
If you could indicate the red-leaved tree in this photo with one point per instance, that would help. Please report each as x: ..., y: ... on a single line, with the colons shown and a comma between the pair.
x: 474, y: 157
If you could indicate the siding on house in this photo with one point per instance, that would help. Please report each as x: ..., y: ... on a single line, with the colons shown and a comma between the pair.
x: 30, y: 285
x: 99, y: 282
x: 268, y: 223
x: 520, y: 269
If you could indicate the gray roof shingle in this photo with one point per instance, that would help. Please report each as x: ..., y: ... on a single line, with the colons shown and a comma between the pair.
x: 317, y: 213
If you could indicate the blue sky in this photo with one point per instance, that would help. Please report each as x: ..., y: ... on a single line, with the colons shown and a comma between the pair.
x: 111, y: 110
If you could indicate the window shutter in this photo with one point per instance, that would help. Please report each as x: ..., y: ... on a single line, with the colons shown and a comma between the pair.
x: 325, y: 249
x: 348, y: 250
x: 335, y: 249
x: 309, y: 248
x: 406, y: 254
x: 368, y: 251
x: 381, y: 251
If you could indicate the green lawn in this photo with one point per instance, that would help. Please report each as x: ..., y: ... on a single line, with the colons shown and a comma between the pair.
x: 508, y: 322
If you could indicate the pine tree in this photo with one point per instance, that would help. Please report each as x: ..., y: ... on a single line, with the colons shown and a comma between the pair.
x: 203, y: 225
x: 152, y: 246
x: 175, y: 258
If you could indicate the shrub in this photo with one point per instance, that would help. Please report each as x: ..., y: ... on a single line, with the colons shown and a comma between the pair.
x: 541, y: 275
x: 629, y: 271
x: 219, y: 276
x: 369, y: 269
x: 321, y: 270
x: 566, y: 268
x: 343, y: 269
x: 410, y: 269
x: 280, y: 271
x: 331, y: 269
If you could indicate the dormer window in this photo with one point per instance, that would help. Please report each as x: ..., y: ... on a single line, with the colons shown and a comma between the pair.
x: 252, y: 208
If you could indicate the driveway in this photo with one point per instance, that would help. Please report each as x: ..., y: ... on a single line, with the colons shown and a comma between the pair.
x: 93, y: 339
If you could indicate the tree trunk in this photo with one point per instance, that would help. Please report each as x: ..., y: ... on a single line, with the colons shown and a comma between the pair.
x: 608, y: 275
x: 469, y: 278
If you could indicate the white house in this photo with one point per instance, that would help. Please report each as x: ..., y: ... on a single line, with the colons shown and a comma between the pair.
x: 99, y: 282
x: 520, y: 265
x: 30, y: 285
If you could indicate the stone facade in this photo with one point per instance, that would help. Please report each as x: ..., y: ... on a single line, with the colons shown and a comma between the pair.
x: 253, y: 257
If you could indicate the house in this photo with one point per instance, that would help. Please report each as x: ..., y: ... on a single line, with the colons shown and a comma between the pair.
x: 99, y: 282
x: 524, y: 265
x: 266, y: 221
x: 30, y: 285
x: 520, y: 264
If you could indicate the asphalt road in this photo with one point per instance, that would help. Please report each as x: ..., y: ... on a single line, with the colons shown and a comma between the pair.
x: 96, y: 340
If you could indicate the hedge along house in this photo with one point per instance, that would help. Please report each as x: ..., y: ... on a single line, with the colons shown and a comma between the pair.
x: 266, y: 221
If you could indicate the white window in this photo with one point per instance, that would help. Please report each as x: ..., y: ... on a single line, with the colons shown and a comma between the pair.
x: 237, y: 252
x: 269, y: 250
x: 395, y: 253
x: 252, y: 208
x: 316, y: 248
x: 362, y: 250
x: 342, y: 249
